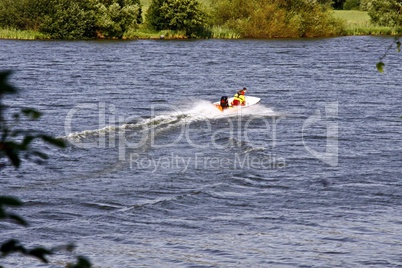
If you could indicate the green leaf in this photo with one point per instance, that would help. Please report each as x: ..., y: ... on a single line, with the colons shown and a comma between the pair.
x: 3, y: 214
x: 19, y: 220
x: 54, y: 141
x: 82, y: 262
x: 12, y: 154
x: 27, y: 140
x: 380, y: 66
x: 398, y: 46
x: 40, y: 253
x: 16, y: 116
x: 8, y: 246
x: 11, y: 246
x: 70, y: 247
x: 10, y: 201
x: 32, y: 113
x: 40, y: 155
x: 5, y: 87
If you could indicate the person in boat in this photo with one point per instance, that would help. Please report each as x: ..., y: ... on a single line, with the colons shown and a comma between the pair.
x: 239, y: 98
x: 224, y: 103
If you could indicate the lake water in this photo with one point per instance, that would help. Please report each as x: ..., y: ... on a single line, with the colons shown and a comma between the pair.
x: 155, y: 176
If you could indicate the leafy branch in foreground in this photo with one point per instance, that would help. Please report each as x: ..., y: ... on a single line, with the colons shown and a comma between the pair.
x: 380, y: 65
x: 15, y: 144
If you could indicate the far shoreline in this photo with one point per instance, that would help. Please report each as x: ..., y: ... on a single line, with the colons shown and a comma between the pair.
x: 177, y: 38
x: 356, y: 23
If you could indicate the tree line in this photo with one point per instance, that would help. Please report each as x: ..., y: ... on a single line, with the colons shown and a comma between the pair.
x: 79, y: 19
x: 72, y: 19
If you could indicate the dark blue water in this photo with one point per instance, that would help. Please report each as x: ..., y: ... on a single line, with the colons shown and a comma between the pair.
x: 155, y: 176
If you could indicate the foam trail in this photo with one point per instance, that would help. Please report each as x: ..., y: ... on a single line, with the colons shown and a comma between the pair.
x: 200, y: 111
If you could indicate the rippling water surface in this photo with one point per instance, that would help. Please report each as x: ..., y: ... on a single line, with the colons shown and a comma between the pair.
x: 155, y: 176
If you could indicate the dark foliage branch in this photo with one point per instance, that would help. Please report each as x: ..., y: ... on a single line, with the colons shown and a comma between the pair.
x: 16, y: 144
x: 395, y: 44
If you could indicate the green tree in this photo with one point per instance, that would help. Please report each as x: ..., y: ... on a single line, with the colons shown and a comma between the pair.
x: 16, y: 144
x: 386, y: 12
x: 351, y: 5
x: 69, y: 20
x: 115, y: 17
x: 178, y: 15
x: 10, y: 11
x: 24, y: 14
x: 271, y: 19
x: 72, y: 19
x: 154, y: 17
x: 364, y: 4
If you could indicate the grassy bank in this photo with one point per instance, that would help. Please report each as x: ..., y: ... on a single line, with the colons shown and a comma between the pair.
x: 358, y: 23
x: 10, y: 33
x: 143, y: 33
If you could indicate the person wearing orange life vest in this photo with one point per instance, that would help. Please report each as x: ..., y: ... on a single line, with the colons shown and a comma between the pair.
x: 239, y: 98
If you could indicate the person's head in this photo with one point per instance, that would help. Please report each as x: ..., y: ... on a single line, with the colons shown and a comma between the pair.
x: 243, y: 91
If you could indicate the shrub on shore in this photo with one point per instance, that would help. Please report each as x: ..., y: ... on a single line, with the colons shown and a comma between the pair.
x: 178, y: 15
x: 273, y: 19
x: 386, y: 12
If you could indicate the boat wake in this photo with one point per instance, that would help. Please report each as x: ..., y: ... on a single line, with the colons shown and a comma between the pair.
x: 167, y: 120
